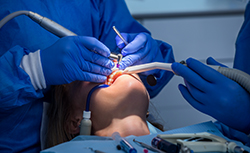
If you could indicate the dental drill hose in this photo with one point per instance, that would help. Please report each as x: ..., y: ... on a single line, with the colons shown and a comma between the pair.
x: 44, y: 22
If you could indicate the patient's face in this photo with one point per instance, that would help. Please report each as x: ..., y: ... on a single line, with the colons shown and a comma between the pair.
x: 121, y: 107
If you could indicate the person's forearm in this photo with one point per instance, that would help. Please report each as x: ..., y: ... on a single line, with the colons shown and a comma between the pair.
x: 16, y: 86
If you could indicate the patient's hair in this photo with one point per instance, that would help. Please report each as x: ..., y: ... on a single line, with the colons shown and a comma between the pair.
x: 58, y: 114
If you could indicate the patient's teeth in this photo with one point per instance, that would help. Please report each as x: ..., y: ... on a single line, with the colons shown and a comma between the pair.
x: 113, y: 75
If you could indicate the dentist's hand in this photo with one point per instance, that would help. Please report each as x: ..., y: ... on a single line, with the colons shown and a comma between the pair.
x: 142, y: 48
x: 214, y: 94
x: 72, y: 58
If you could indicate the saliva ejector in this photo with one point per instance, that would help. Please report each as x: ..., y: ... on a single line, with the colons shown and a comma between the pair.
x: 236, y: 75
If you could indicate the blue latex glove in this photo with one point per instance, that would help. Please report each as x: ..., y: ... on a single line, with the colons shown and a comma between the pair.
x: 72, y: 58
x: 142, y: 48
x: 214, y: 94
x: 211, y: 61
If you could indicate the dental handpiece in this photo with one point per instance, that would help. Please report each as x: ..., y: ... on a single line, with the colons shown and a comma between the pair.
x: 47, y: 24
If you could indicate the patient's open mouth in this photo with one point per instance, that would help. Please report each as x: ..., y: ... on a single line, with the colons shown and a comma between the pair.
x: 113, y: 76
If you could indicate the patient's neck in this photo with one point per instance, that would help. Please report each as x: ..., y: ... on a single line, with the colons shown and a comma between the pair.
x: 131, y: 125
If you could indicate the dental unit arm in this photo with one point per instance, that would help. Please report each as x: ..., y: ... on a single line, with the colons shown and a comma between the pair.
x: 236, y: 75
x: 47, y: 24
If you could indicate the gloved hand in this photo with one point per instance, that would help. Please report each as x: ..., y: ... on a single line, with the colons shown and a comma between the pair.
x: 142, y: 48
x: 214, y: 94
x: 72, y: 58
x: 211, y: 61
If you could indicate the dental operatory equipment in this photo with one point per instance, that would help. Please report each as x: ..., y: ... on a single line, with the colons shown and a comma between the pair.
x: 124, y: 41
x: 125, y: 145
x: 202, y: 142
x: 236, y: 75
x: 119, y: 34
x: 148, y: 146
x: 47, y: 24
x: 85, y: 126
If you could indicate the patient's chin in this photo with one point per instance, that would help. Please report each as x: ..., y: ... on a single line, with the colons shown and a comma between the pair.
x: 131, y: 125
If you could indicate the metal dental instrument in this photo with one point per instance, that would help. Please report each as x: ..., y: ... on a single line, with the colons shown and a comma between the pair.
x: 125, y: 42
x: 119, y: 34
x: 148, y: 67
x: 46, y: 23
x: 95, y: 151
x: 118, y: 57
x: 148, y: 146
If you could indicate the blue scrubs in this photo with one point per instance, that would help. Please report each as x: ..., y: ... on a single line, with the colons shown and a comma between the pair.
x: 242, y: 62
x: 20, y: 103
x: 242, y: 54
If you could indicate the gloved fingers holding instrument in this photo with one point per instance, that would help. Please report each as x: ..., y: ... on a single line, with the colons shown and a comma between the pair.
x: 214, y: 94
x: 76, y: 58
x: 141, y: 48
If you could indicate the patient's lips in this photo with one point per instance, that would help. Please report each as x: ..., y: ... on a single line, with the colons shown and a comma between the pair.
x: 113, y: 76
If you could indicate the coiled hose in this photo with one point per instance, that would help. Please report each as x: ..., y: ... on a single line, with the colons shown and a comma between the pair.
x: 236, y: 75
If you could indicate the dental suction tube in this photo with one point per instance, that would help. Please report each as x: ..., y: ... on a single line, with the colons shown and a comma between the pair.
x: 147, y: 67
x: 236, y: 75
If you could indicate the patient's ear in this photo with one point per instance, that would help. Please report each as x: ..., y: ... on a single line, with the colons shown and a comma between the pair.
x: 74, y: 125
